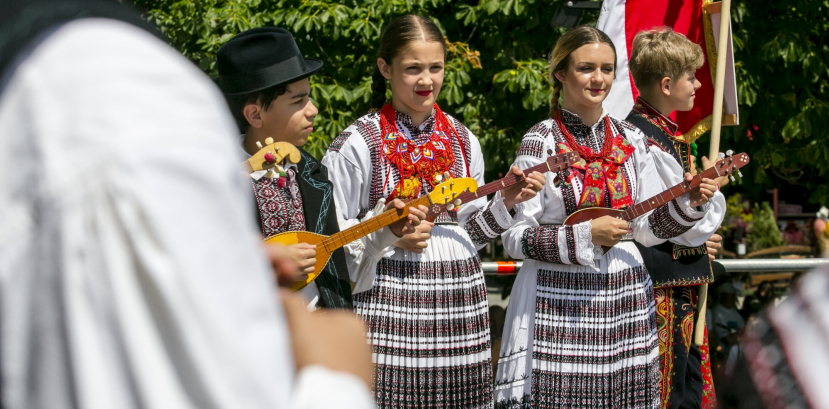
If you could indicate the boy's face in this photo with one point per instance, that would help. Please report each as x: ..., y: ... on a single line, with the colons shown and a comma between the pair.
x: 290, y: 117
x: 680, y: 93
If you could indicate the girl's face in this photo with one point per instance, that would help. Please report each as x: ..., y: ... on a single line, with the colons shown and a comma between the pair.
x: 416, y: 75
x: 589, y: 75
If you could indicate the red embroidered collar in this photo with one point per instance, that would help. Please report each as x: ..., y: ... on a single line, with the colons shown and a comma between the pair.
x: 601, y: 170
x: 417, y: 162
x: 648, y: 111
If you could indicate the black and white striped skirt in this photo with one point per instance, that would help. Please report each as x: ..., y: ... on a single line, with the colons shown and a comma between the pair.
x: 429, y: 325
x: 581, y: 337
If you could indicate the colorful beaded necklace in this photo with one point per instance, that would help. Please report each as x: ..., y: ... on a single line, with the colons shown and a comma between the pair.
x: 417, y: 163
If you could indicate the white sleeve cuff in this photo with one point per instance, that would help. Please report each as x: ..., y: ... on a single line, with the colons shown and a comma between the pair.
x: 684, y: 213
x: 318, y: 387
x: 587, y: 252
x: 500, y: 212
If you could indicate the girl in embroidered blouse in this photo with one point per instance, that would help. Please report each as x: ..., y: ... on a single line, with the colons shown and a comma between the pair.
x: 580, y: 328
x: 424, y: 298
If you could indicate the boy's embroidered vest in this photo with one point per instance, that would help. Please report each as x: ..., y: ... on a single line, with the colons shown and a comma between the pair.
x: 669, y: 264
x: 320, y: 216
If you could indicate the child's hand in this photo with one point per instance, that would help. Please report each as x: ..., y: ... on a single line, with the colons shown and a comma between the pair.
x: 707, y: 164
x: 701, y: 194
x: 523, y: 191
x: 304, y: 256
x: 416, y: 240
x: 284, y: 266
x: 713, y: 245
x: 407, y: 224
x: 607, y: 230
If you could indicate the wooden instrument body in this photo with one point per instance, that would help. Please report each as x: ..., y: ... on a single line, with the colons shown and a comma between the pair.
x: 442, y: 196
x: 294, y: 237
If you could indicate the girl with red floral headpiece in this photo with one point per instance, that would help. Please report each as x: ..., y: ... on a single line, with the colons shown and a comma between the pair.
x: 424, y: 298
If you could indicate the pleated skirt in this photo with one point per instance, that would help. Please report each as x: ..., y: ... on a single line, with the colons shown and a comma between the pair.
x: 581, y: 337
x: 428, y: 321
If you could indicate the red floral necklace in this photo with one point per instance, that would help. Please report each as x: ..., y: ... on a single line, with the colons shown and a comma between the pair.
x: 417, y: 163
x: 583, y: 151
x: 602, y: 175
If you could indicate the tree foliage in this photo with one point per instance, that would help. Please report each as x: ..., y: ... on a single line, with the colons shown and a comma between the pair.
x: 496, y: 69
x: 782, y: 63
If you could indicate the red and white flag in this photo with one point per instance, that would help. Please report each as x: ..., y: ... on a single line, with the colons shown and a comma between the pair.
x: 698, y: 20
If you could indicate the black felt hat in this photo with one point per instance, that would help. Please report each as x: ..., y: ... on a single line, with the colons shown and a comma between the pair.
x: 261, y: 58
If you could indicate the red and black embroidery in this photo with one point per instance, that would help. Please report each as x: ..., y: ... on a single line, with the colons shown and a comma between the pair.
x: 475, y: 226
x: 682, y: 215
x: 541, y: 243
x: 663, y: 225
x: 279, y: 210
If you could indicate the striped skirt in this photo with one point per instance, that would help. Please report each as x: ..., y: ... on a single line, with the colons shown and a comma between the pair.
x: 428, y: 322
x: 581, y: 337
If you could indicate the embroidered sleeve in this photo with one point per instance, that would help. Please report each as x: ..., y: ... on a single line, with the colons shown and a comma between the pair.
x: 487, y: 223
x: 533, y: 142
x: 560, y: 244
x: 708, y: 225
x: 674, y: 218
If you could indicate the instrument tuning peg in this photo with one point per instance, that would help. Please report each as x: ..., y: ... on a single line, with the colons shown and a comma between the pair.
x: 731, y: 177
x: 450, y: 206
x: 720, y: 155
x: 268, y: 141
x: 740, y: 173
x: 447, y: 175
x: 457, y: 202
x: 259, y: 144
x: 438, y: 178
x: 550, y: 152
x: 729, y: 152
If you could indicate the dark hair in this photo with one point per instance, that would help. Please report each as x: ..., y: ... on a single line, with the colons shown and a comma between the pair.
x: 566, y: 44
x: 396, y: 36
x: 265, y: 98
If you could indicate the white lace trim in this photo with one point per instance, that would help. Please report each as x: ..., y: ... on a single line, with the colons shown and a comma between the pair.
x: 586, y: 251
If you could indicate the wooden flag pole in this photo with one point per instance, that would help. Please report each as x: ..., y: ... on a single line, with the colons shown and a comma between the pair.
x: 716, y: 128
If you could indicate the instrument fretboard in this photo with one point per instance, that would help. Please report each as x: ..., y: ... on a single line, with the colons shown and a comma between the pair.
x: 369, y: 226
x: 552, y: 164
x: 666, y: 196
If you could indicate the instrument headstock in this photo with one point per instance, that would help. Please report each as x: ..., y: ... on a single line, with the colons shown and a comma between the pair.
x: 726, y: 165
x: 446, y: 194
x: 272, y: 155
x: 561, y: 161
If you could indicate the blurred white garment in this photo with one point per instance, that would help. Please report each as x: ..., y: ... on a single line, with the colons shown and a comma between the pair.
x: 131, y: 271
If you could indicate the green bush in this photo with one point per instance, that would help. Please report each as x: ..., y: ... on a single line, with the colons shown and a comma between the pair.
x: 496, y: 70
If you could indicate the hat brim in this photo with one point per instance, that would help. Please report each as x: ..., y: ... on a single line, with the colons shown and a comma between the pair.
x: 312, y: 65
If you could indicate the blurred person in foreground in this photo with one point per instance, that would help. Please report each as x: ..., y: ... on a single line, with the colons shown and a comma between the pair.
x: 784, y: 352
x: 131, y: 271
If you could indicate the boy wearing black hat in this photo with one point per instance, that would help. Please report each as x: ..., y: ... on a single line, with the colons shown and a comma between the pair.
x: 265, y: 80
